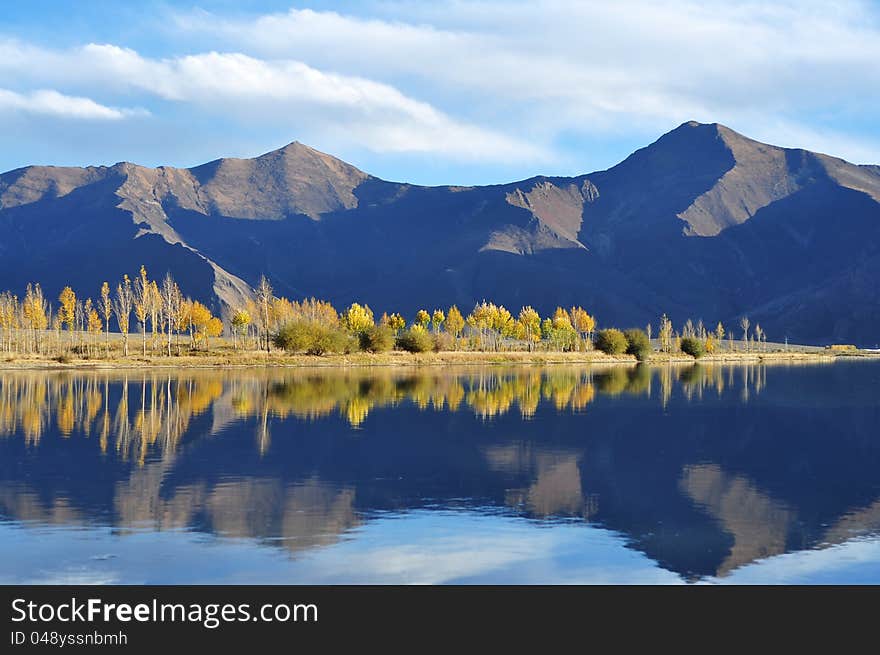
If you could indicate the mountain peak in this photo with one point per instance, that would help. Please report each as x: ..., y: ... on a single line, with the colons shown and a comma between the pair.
x: 300, y: 152
x: 294, y: 179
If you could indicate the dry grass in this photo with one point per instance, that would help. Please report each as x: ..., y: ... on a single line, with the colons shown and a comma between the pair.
x: 223, y: 355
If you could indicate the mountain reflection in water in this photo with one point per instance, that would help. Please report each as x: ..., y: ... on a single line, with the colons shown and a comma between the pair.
x: 704, y: 469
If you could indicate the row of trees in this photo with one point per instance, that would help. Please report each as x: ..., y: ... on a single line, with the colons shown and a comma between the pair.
x: 159, y: 311
x: 166, y: 318
x: 314, y: 326
x: 699, y: 336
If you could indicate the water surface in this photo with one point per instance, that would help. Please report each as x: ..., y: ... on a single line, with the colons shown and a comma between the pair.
x: 673, y: 474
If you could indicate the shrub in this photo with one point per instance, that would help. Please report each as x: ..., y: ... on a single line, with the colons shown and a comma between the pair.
x: 415, y: 340
x: 312, y: 338
x: 443, y: 341
x: 611, y: 341
x: 378, y: 339
x: 693, y: 347
x: 638, y: 344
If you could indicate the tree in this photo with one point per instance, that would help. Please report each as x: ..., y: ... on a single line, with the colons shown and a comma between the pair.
x: 155, y: 305
x: 454, y: 322
x: 422, y: 318
x: 437, y: 318
x: 562, y: 333
x: 583, y: 323
x: 106, y: 307
x: 183, y: 321
x: 80, y: 322
x: 214, y: 328
x: 264, y: 301
x: 9, y: 311
x: 744, y: 324
x: 240, y: 321
x: 480, y: 319
x: 122, y: 307
x: 35, y: 309
x: 665, y: 334
x: 710, y: 343
x: 611, y: 341
x: 313, y: 309
x: 638, y: 344
x: 67, y: 309
x: 502, y: 324
x: 719, y: 333
x: 759, y: 334
x: 170, y: 297
x: 396, y: 322
x: 530, y: 325
x: 93, y: 325
x: 143, y: 299
x: 358, y: 318
x: 693, y: 347
x: 200, y: 317
x: 281, y: 311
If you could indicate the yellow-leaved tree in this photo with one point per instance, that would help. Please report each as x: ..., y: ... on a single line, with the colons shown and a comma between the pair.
x: 396, y: 322
x: 106, y: 307
x: 437, y: 318
x: 454, y: 323
x: 241, y: 319
x: 530, y: 325
x: 583, y: 324
x: 35, y: 309
x: 214, y: 328
x: 67, y: 310
x: 358, y: 318
x: 93, y: 323
x: 200, y: 317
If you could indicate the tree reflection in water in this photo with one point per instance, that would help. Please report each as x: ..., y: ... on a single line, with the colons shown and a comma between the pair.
x: 696, y: 465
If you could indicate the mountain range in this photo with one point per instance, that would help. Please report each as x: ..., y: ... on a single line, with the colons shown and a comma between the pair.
x: 704, y: 223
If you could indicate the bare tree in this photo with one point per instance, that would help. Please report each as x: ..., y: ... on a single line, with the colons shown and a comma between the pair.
x: 170, y: 296
x: 744, y: 324
x: 106, y: 308
x: 264, y: 302
x: 142, y: 299
x: 122, y: 306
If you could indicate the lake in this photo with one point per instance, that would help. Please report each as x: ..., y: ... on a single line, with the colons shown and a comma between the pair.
x: 671, y: 474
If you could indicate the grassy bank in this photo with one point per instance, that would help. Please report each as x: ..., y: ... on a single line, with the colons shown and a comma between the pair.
x: 226, y: 356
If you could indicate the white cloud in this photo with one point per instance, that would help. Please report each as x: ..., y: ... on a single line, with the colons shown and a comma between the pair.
x: 597, y: 68
x: 53, y: 103
x: 499, y: 81
x: 373, y: 114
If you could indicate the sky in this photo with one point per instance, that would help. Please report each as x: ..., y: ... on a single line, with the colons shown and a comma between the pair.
x: 441, y: 92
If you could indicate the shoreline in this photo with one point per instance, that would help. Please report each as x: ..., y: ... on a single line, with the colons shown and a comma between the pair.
x: 401, y: 359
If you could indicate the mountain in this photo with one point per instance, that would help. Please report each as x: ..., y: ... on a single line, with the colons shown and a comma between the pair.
x: 703, y: 223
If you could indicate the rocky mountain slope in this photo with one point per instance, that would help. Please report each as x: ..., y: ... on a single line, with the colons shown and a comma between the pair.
x: 703, y: 223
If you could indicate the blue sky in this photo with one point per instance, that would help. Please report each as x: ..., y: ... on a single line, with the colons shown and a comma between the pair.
x: 433, y: 93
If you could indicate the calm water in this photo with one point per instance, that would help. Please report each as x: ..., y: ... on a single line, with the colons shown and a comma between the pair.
x: 528, y: 475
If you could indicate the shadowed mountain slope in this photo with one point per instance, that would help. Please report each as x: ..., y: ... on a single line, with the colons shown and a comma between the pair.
x: 703, y: 223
